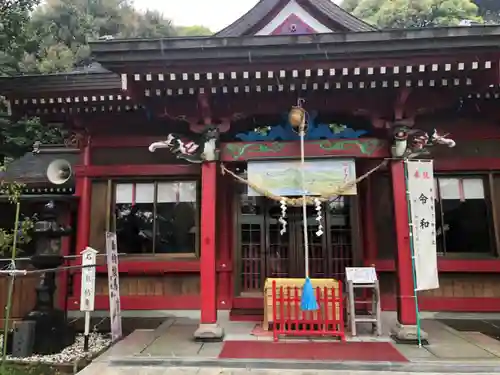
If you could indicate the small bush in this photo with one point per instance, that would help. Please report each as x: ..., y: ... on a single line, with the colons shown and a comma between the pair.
x: 28, y: 369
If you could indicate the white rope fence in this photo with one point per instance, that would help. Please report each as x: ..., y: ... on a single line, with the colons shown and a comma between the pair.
x: 12, y: 270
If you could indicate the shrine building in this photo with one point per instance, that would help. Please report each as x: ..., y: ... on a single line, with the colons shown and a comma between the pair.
x: 196, y: 238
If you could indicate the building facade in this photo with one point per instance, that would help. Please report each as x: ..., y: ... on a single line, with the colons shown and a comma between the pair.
x: 197, y: 239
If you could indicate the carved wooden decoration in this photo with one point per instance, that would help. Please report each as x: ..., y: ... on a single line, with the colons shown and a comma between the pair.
x: 204, y: 149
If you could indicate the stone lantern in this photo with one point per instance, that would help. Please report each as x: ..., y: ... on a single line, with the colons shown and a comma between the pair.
x: 52, y: 333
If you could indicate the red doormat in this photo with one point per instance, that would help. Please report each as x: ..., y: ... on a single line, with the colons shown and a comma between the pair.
x: 322, y: 351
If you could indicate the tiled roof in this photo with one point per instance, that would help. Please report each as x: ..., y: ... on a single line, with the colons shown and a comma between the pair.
x: 325, y: 7
x: 31, y: 168
x: 92, y: 75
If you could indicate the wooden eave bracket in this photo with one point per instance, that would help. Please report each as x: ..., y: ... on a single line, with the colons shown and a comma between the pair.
x: 400, y: 104
x: 204, y: 108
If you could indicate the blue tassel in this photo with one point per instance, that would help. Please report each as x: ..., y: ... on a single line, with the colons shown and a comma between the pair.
x: 308, y: 302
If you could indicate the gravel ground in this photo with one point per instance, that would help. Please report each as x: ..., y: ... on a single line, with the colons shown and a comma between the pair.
x: 97, y: 342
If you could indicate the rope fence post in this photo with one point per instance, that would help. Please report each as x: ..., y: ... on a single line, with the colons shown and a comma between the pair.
x: 10, y: 292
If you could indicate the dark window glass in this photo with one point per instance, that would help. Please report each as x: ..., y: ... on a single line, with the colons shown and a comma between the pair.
x: 462, y: 216
x: 159, y: 218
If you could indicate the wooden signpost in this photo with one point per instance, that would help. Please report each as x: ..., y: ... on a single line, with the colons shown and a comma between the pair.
x: 87, y: 295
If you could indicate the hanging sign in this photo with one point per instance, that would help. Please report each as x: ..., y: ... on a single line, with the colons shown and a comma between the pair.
x: 284, y: 178
x: 361, y: 275
x: 421, y: 193
x: 87, y: 294
x: 114, y: 286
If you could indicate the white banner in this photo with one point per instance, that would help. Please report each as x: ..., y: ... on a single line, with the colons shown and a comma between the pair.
x: 114, y: 286
x: 421, y: 195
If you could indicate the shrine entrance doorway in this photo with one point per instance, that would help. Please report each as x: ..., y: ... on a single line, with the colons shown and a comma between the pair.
x: 264, y: 252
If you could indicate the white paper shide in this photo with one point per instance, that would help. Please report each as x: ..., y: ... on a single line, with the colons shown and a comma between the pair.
x: 421, y: 195
x: 114, y: 286
x: 87, y: 295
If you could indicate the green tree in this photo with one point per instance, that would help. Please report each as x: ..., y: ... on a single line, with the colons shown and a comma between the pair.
x: 14, y: 18
x: 196, y: 30
x: 55, y: 39
x: 64, y: 28
x: 387, y: 14
x: 152, y: 24
x: 349, y: 5
x: 15, y: 39
x: 17, y: 138
x: 15, y: 236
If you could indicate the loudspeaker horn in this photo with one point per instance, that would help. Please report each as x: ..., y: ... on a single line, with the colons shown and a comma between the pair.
x: 59, y: 171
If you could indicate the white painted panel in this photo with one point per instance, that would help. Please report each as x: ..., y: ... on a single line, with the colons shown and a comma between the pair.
x: 473, y: 188
x: 145, y: 193
x: 168, y: 192
x: 449, y: 188
x: 293, y: 8
x: 187, y: 191
x: 124, y: 193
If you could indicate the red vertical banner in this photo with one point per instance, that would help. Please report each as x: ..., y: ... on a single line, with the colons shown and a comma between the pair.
x: 208, y: 243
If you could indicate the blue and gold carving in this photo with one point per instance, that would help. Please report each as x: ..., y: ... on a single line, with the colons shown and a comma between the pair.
x: 285, y: 132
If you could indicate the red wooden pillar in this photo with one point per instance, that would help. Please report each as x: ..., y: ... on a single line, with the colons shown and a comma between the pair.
x: 224, y: 247
x: 208, y: 329
x: 407, y: 317
x: 406, y: 299
x: 83, y: 191
x: 369, y: 224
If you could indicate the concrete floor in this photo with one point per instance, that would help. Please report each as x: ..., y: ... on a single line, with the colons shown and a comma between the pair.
x: 172, y: 346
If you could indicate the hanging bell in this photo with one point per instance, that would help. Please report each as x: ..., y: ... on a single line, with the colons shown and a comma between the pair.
x: 297, y: 118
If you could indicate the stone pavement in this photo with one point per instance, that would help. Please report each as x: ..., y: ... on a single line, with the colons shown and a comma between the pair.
x: 145, y: 370
x: 170, y: 348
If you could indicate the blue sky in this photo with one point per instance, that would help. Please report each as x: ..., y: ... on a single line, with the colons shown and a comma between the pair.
x: 214, y: 14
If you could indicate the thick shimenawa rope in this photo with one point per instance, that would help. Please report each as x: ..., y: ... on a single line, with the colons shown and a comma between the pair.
x: 309, y: 200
